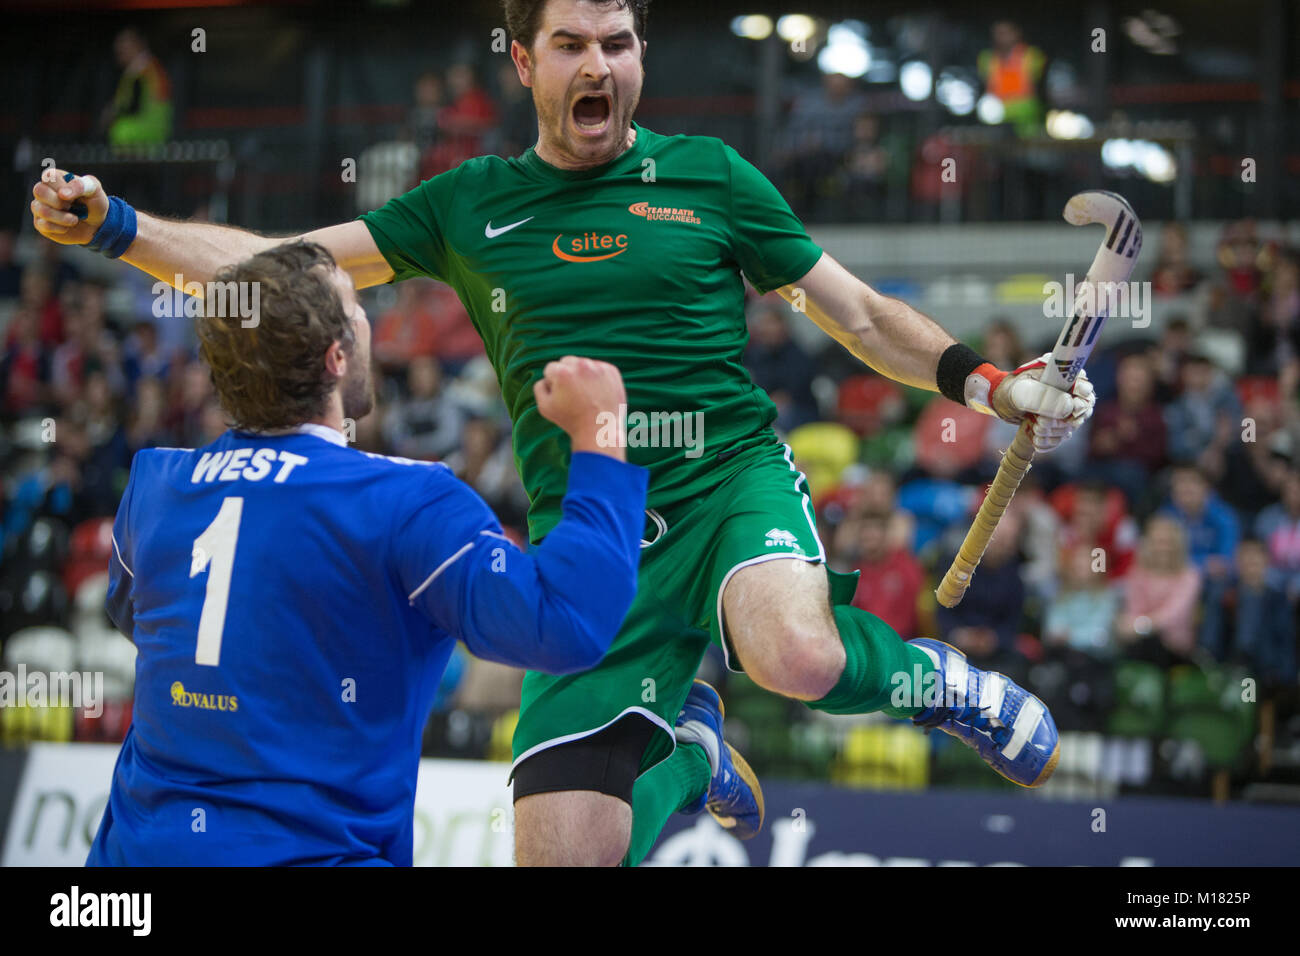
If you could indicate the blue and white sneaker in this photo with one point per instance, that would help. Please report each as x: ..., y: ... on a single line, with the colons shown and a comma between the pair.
x: 992, y: 714
x: 734, y: 796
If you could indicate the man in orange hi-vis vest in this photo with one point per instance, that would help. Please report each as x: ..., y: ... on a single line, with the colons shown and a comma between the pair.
x: 1011, y: 71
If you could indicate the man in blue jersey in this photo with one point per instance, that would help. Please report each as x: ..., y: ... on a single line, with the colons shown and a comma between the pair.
x: 294, y: 601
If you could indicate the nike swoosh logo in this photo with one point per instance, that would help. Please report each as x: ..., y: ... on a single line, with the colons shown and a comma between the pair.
x: 493, y: 233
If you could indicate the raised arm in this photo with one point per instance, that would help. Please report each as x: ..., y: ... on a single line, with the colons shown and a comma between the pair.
x: 558, y: 607
x: 885, y: 333
x: 908, y: 346
x: 167, y: 248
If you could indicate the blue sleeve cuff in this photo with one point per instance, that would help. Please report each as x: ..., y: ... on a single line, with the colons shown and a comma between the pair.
x: 591, y: 471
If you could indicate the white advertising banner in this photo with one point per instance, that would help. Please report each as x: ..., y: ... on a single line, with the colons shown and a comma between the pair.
x: 463, y: 813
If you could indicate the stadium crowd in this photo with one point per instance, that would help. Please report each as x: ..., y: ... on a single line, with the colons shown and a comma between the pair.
x: 1165, y: 536
x: 1145, y: 581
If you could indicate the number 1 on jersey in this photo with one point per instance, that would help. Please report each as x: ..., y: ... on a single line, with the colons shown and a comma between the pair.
x: 214, y: 550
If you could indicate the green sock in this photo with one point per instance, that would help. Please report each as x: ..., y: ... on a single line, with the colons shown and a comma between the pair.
x: 881, y: 671
x: 662, y: 791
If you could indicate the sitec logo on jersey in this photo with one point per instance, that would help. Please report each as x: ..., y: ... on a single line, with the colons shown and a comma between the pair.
x: 590, y: 246
x: 184, y: 698
x: 663, y: 213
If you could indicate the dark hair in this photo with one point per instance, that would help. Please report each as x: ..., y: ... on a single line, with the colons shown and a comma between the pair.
x: 272, y: 375
x: 524, y: 17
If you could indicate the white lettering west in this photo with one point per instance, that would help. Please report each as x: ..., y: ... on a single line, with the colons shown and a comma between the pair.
x: 246, y: 463
x: 291, y: 461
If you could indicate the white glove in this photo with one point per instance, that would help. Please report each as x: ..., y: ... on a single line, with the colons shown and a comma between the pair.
x: 1055, y: 413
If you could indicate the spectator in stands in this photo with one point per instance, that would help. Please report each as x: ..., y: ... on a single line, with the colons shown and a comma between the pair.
x: 1011, y: 71
x: 950, y: 441
x: 425, y: 424
x: 37, y: 294
x: 146, y: 423
x: 1168, y: 357
x: 780, y: 367
x: 141, y: 111
x: 143, y: 356
x: 1250, y: 471
x: 11, y: 273
x: 1173, y: 274
x: 1210, y: 526
x: 465, y: 121
x: 1206, y: 417
x: 1243, y: 260
x: 891, y: 578
x: 107, y: 461
x: 89, y: 347
x: 1082, y: 615
x: 51, y: 260
x: 1278, y: 526
x: 191, y: 389
x: 1253, y: 623
x: 517, y: 128
x: 1273, y: 333
x: 865, y: 172
x: 487, y: 463
x: 1127, y: 444
x: 986, y: 624
x: 25, y: 368
x: 817, y: 138
x: 456, y: 341
x: 408, y: 330
x: 1157, y: 621
x: 1095, y: 517
x: 880, y: 495
x: 1002, y: 344
x: 422, y: 123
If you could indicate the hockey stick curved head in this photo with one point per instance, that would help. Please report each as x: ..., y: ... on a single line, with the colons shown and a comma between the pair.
x: 1096, y: 205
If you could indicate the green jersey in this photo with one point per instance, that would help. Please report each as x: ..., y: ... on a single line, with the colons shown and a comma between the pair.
x: 637, y: 263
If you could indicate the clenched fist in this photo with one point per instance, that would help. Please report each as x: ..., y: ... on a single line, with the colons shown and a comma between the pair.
x: 578, y: 394
x: 52, y: 200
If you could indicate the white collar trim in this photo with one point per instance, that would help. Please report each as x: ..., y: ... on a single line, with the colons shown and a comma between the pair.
x: 332, y: 435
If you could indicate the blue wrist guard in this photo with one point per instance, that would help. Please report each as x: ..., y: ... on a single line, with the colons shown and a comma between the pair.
x: 117, y: 231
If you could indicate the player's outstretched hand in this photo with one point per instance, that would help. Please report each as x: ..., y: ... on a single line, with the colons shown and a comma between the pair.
x: 1055, y: 413
x: 52, y: 201
x: 580, y: 395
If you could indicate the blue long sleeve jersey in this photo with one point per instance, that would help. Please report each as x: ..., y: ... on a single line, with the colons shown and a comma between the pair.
x: 294, y: 602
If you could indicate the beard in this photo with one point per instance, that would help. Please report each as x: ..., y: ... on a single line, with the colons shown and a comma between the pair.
x: 358, y: 392
x: 555, y: 119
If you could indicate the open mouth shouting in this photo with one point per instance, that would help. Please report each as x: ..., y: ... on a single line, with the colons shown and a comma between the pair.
x: 592, y: 113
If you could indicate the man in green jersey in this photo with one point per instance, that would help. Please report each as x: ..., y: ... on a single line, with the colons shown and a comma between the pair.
x: 611, y: 241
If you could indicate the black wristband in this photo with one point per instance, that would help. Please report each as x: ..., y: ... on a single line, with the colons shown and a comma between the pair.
x: 955, y: 364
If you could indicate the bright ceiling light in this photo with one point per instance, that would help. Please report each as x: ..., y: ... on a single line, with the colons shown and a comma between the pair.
x: 755, y: 26
x: 990, y: 109
x: 1065, y: 124
x: 956, y: 94
x: 845, y: 52
x: 915, y: 77
x: 794, y: 27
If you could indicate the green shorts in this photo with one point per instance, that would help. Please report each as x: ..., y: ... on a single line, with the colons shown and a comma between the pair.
x: 759, y: 511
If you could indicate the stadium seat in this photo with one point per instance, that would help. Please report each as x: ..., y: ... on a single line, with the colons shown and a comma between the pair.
x: 46, y: 650
x: 89, y: 551
x: 868, y: 403
x: 822, y: 451
x: 890, y: 756
x: 1139, y: 700
x: 30, y: 599
x: 1205, y: 705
